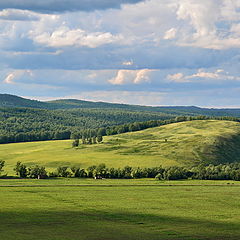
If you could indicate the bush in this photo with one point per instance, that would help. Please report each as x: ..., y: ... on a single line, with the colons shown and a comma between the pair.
x: 63, y: 172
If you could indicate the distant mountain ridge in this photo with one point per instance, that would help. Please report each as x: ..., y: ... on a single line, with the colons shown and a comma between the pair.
x: 12, y: 101
x: 7, y: 100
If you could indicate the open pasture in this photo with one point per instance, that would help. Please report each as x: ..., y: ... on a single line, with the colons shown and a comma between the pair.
x: 116, y: 209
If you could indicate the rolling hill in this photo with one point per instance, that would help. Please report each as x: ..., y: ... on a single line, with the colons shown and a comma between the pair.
x: 183, y: 144
x: 24, y: 120
x: 12, y: 101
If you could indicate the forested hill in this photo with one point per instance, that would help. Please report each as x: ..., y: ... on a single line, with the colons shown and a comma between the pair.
x: 7, y: 100
x: 174, y: 110
x: 23, y: 120
x: 32, y: 124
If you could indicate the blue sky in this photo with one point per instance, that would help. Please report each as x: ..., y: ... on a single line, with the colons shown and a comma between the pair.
x: 154, y: 52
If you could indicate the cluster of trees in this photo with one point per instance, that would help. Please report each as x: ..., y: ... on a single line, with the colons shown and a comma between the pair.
x: 99, y: 171
x: 88, y: 136
x: 89, y: 140
x: 32, y: 172
x: 229, y: 171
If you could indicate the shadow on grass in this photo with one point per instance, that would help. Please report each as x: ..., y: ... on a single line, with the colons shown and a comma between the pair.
x: 9, y: 177
x: 105, y: 225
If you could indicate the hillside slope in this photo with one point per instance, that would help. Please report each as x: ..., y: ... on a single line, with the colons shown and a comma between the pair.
x: 183, y: 144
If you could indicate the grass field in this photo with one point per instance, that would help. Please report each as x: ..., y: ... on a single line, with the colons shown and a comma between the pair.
x: 185, y: 143
x: 119, y: 209
x: 136, y: 209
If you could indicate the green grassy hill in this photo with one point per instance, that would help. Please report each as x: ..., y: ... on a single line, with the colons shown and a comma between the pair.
x: 183, y: 144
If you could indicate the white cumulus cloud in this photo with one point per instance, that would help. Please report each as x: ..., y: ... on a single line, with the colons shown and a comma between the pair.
x: 209, y: 24
x: 219, y: 74
x: 64, y: 36
x: 131, y: 76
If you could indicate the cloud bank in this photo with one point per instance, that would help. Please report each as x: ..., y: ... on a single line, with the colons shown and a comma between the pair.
x: 49, y: 6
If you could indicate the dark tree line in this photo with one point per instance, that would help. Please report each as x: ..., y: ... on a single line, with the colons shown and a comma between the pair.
x: 229, y: 171
x: 211, y: 172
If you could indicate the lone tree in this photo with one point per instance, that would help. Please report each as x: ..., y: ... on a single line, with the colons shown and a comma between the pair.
x: 21, y: 170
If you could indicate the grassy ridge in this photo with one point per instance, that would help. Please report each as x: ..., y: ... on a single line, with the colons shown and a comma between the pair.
x: 186, y: 143
x: 136, y: 213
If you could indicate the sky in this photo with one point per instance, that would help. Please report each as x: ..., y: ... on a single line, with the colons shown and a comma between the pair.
x: 153, y: 52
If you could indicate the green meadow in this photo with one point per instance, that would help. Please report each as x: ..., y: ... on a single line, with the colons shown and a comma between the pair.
x: 133, y: 209
x: 182, y: 144
x: 76, y: 209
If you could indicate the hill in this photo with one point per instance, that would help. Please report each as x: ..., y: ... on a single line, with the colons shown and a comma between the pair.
x: 24, y: 120
x: 183, y: 144
x: 173, y: 110
x: 12, y: 101
x: 7, y: 100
